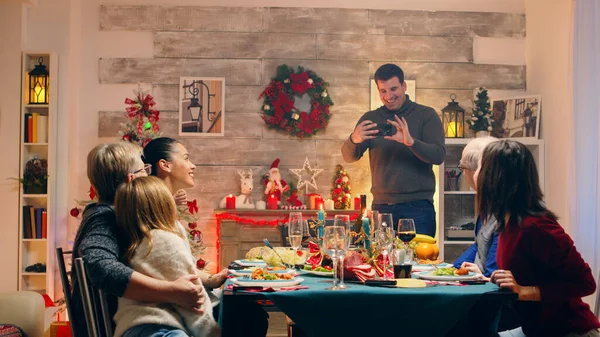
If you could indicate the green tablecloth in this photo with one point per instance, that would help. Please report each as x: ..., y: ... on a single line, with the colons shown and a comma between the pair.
x: 374, y: 311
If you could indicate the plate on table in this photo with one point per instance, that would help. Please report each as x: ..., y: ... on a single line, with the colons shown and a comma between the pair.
x: 429, y: 275
x: 251, y: 263
x: 318, y: 273
x: 417, y: 267
x: 247, y: 282
x: 248, y: 271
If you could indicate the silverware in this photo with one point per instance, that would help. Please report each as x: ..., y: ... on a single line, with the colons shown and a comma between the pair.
x: 268, y: 244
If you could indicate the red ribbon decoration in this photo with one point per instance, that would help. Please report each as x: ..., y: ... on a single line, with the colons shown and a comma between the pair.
x: 192, y: 206
x: 300, y: 82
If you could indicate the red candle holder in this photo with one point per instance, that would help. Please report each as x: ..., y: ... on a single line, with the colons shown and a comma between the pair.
x: 357, y: 203
x: 319, y: 203
x: 230, y: 202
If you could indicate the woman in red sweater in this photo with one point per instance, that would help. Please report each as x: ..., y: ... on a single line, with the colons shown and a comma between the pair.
x: 537, y: 259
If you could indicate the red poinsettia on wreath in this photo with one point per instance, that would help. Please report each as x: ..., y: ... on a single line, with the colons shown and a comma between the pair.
x: 279, y: 111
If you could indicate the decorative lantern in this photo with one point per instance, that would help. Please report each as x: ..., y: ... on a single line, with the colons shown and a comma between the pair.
x: 38, y: 87
x: 454, y: 119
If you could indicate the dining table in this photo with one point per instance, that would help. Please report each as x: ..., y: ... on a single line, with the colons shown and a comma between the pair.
x: 440, y: 309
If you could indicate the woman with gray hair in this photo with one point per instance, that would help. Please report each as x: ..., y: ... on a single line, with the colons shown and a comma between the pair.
x: 480, y: 257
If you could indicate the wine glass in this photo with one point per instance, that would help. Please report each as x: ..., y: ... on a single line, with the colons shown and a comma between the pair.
x: 385, y: 239
x: 295, y: 230
x: 334, y: 244
x: 406, y: 232
x: 384, y: 220
x: 343, y: 221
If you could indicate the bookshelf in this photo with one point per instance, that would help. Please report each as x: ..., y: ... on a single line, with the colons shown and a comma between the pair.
x: 36, y: 203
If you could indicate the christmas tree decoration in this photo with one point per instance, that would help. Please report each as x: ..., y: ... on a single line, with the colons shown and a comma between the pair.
x: 142, y: 125
x: 278, y: 109
x: 481, y: 119
x: 340, y: 190
x: 188, y: 213
x: 306, y: 176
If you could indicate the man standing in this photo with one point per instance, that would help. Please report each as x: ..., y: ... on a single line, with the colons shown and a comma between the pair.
x: 404, y: 140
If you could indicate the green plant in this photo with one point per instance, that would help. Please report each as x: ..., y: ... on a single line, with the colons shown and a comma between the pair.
x: 35, y: 177
x: 481, y: 119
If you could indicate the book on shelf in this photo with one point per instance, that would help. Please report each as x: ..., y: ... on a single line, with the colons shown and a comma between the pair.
x: 44, y: 224
x: 42, y: 129
x: 34, y: 120
x: 26, y: 222
x: 38, y: 223
x: 32, y: 223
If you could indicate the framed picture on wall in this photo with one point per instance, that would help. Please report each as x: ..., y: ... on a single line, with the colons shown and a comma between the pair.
x: 201, y: 106
x: 411, y: 86
x: 516, y: 117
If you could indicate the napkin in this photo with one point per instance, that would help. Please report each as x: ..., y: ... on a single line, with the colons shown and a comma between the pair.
x: 410, y: 283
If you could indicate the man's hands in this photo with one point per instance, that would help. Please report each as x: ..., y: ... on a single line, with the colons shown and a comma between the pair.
x: 403, y: 135
x: 187, y: 292
x: 368, y: 130
x: 365, y: 130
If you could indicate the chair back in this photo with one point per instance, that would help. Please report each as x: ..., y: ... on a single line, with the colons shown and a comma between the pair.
x: 597, y: 309
x: 66, y: 284
x: 95, y: 305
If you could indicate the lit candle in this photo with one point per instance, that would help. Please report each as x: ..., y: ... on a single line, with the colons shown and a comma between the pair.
x: 319, y: 203
x: 230, y: 202
x: 272, y: 202
x: 357, y: 203
x: 367, y: 229
x: 321, y: 216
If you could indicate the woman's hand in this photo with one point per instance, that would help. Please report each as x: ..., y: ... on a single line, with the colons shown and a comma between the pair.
x: 180, y: 197
x: 219, y: 278
x: 472, y: 267
x: 505, y: 279
x: 187, y: 292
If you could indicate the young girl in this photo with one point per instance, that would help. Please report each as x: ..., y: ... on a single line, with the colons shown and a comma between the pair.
x: 537, y: 259
x: 158, y: 248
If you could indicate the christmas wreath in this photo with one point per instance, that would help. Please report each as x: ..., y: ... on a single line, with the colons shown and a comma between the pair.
x: 278, y: 110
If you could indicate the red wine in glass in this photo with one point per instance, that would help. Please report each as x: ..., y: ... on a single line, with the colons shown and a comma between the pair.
x: 406, y: 237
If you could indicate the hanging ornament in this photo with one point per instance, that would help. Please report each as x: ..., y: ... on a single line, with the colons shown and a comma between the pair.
x: 200, y: 264
x: 192, y: 225
x: 196, y: 235
x: 75, y: 212
x: 147, y: 126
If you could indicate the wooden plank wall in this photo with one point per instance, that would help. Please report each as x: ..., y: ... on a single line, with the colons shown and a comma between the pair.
x: 344, y: 46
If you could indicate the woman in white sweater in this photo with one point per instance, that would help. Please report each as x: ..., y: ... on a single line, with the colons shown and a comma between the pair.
x: 158, y: 247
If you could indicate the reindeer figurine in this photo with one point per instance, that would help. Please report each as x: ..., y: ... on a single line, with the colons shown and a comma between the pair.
x: 244, y: 200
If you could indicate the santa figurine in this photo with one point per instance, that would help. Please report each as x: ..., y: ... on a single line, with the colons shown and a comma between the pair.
x: 274, y: 184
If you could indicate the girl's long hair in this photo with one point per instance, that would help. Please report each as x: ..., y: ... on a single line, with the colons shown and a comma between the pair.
x: 142, y: 205
x: 508, y: 182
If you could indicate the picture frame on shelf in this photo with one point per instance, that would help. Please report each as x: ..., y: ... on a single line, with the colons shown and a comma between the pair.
x: 517, y: 117
x: 201, y: 106
x: 375, y: 101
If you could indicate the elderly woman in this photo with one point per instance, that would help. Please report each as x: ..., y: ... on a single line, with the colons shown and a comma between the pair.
x: 480, y: 257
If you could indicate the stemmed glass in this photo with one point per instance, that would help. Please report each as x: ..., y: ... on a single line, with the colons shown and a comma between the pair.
x: 334, y: 244
x: 384, y: 234
x: 295, y: 230
x: 406, y: 232
x: 343, y: 221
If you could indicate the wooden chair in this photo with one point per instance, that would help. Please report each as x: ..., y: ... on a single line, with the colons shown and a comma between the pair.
x: 66, y: 283
x: 95, y: 304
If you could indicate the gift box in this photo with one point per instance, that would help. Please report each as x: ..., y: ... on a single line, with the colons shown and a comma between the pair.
x: 60, y: 329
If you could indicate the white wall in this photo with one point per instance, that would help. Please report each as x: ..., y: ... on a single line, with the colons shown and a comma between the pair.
x: 10, y: 119
x: 548, y: 48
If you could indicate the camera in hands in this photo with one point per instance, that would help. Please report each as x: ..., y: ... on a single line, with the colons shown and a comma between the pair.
x: 386, y: 129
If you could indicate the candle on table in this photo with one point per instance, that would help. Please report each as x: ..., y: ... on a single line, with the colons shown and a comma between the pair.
x: 357, y: 203
x: 321, y: 217
x: 367, y: 229
x: 261, y: 204
x: 329, y: 205
x: 272, y: 202
x: 230, y: 202
x: 311, y: 201
x: 363, y: 202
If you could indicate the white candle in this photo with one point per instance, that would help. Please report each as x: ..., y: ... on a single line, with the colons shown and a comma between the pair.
x: 261, y: 205
x: 329, y: 205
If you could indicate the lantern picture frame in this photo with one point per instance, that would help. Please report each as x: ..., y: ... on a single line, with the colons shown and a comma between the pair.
x: 453, y: 118
x: 516, y: 117
x: 38, y: 84
x: 201, y: 106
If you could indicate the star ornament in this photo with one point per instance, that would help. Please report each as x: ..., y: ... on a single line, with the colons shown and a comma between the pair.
x: 306, y: 175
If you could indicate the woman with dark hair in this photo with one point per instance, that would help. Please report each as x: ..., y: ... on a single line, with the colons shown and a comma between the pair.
x: 537, y: 259
x: 170, y: 162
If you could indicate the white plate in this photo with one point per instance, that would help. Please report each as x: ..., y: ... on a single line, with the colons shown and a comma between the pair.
x: 427, y: 267
x: 319, y: 273
x: 246, y: 272
x: 250, y: 263
x: 428, y: 275
x: 265, y: 283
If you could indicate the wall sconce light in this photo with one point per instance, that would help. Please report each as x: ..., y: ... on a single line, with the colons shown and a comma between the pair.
x: 454, y: 119
x: 195, y: 107
x: 38, y: 92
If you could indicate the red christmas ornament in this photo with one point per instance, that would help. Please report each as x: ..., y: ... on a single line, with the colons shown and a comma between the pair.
x: 196, y: 235
x: 192, y: 225
x: 74, y: 212
x: 127, y: 138
x: 200, y: 264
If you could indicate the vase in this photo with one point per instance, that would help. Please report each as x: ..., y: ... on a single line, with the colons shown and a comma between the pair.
x: 480, y: 134
x: 34, y: 189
